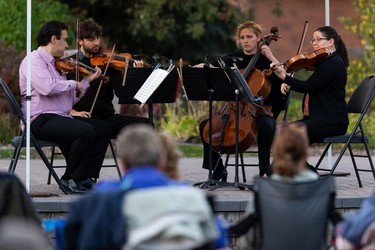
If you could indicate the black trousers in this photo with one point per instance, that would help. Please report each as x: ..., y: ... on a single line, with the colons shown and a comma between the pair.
x: 317, y: 130
x: 118, y: 122
x: 83, y: 142
x: 266, y: 126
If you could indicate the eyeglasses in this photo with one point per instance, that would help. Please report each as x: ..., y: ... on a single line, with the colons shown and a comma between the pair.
x: 313, y: 40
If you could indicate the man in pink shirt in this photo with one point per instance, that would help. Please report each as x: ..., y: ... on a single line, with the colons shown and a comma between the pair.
x: 83, y: 142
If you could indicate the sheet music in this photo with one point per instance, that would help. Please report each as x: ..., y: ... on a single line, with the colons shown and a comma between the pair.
x: 151, y: 84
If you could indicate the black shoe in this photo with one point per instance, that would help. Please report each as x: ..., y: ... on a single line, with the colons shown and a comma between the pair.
x: 267, y: 172
x: 88, y: 183
x: 222, y: 175
x: 73, y: 187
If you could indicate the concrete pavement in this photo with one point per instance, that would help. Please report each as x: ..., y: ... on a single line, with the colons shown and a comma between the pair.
x: 348, y: 191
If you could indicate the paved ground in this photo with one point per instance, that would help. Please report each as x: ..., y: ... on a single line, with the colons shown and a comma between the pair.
x: 192, y: 172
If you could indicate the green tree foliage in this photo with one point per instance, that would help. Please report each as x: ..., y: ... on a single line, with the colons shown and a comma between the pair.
x: 13, y: 25
x: 176, y: 29
x: 363, y: 26
x: 13, y: 19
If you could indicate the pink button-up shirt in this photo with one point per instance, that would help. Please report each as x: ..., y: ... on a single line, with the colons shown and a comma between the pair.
x: 50, y: 92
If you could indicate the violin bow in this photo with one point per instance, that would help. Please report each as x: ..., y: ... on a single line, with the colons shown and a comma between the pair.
x: 126, y: 66
x: 306, y: 25
x: 179, y: 71
x: 101, y: 81
x: 77, y: 47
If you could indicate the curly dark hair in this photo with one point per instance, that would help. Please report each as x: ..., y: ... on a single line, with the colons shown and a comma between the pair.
x: 49, y: 29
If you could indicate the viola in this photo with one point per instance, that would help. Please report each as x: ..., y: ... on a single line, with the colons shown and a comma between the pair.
x: 118, y: 61
x: 224, y: 120
x: 69, y: 65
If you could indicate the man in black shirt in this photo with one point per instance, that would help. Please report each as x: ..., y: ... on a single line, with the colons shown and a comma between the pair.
x: 89, y: 36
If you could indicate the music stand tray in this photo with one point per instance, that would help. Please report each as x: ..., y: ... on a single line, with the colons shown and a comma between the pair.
x: 165, y: 93
x: 135, y: 78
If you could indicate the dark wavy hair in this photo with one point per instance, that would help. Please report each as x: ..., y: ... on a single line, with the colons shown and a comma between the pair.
x: 49, y: 29
x: 340, y: 46
x: 88, y: 29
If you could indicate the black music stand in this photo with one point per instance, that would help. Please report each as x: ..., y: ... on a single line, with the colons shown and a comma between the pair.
x: 135, y: 78
x: 209, y: 84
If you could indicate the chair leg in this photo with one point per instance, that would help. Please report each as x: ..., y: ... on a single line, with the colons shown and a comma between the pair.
x: 243, y: 168
x: 355, y: 166
x: 50, y: 168
x: 226, y: 161
x: 322, y: 156
x: 339, y: 158
x: 115, y: 159
x: 14, y: 160
x: 51, y: 161
x: 370, y: 159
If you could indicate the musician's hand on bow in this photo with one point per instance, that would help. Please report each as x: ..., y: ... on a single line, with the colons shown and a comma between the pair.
x: 285, y: 88
x: 279, y: 70
x: 266, y: 51
x: 138, y: 64
x: 84, y: 114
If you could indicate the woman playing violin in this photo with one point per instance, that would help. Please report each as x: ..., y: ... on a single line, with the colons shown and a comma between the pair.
x: 248, y: 37
x: 89, y: 36
x: 324, y: 106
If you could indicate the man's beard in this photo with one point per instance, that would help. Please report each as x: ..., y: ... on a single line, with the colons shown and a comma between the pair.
x: 91, y: 51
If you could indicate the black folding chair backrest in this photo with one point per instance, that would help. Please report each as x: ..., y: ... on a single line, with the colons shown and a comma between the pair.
x: 293, y: 215
x: 362, y: 96
x: 14, y: 107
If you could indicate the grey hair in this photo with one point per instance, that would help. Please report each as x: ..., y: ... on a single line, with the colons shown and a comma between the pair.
x: 140, y: 145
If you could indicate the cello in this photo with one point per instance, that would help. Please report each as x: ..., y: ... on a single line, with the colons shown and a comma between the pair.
x: 224, y: 120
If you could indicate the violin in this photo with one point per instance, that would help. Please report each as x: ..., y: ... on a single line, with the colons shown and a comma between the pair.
x: 304, y: 61
x: 69, y: 65
x: 118, y: 61
x: 224, y: 120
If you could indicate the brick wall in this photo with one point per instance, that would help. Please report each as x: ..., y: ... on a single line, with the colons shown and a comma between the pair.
x: 290, y: 25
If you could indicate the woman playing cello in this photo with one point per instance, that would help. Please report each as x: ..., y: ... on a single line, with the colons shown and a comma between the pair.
x: 248, y: 36
x: 324, y: 106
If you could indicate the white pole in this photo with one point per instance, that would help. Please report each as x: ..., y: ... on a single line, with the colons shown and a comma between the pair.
x: 327, y: 11
x: 28, y: 93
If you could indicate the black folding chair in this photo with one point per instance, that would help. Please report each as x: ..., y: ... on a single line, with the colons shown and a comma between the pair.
x: 113, y: 165
x: 358, y: 104
x: 290, y: 215
x: 19, y: 142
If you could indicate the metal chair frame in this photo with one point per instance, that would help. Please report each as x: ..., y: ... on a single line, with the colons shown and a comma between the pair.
x: 19, y: 142
x: 359, y: 103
